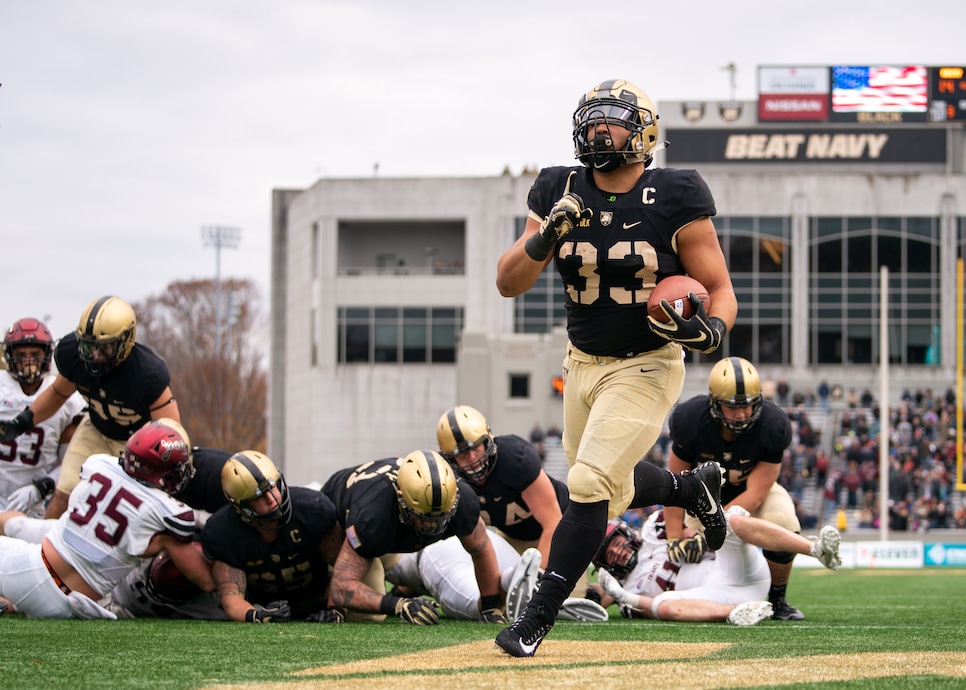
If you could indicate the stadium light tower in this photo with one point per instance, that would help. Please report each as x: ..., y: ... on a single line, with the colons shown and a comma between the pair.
x: 219, y: 237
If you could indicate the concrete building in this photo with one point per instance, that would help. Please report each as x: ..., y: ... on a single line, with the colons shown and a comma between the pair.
x: 385, y: 312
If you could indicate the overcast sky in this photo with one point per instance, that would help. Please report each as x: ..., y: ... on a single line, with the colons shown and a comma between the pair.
x: 127, y: 125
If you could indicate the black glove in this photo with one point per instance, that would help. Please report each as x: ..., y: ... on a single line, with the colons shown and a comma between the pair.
x: 332, y: 615
x: 417, y: 611
x: 565, y: 214
x: 494, y: 616
x: 687, y: 549
x: 701, y: 332
x: 12, y: 428
x: 275, y: 612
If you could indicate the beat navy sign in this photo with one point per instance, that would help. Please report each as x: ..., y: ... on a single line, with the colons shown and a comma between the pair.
x: 879, y: 145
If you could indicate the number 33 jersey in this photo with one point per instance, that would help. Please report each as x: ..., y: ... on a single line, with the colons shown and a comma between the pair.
x: 610, y: 262
x: 110, y: 521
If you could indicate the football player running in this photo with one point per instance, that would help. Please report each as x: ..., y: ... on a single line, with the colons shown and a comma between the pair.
x: 614, y: 227
x: 747, y: 435
x: 121, y: 512
x: 636, y: 571
x: 125, y: 385
x: 272, y: 547
x: 401, y: 505
x: 29, y: 462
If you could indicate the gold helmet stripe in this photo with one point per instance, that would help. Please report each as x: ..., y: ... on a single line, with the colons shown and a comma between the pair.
x: 92, y: 315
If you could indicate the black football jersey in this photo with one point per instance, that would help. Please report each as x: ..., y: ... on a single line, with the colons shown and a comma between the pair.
x: 204, y: 491
x: 610, y: 262
x: 696, y: 438
x: 501, y: 497
x: 289, y: 568
x: 368, y: 508
x: 119, y: 401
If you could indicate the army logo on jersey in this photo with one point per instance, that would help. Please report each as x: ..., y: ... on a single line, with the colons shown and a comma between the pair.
x: 606, y: 217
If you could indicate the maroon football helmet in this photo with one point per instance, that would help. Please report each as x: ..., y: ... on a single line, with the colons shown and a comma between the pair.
x: 159, y: 454
x: 27, y: 331
x: 618, y: 528
x: 166, y: 582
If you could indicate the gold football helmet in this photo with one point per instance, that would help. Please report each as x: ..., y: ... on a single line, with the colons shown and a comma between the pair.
x: 105, y: 334
x: 734, y: 382
x: 460, y: 430
x: 615, y: 103
x: 248, y: 475
x: 428, y: 492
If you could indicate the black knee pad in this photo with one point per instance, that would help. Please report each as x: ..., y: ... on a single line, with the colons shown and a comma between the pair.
x: 783, y: 557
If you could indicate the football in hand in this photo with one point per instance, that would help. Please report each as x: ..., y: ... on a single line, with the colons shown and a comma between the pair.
x: 674, y: 289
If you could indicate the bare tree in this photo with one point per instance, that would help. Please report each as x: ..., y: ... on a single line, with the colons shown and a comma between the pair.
x: 222, y: 395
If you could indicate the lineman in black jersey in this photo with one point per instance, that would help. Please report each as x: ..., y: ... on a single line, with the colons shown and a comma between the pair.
x: 517, y: 496
x: 204, y: 491
x: 747, y: 436
x: 613, y: 229
x: 271, y: 548
x: 400, y: 505
x: 125, y: 385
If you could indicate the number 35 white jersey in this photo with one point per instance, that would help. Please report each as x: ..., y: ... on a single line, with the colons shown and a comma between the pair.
x: 34, y: 453
x: 110, y: 521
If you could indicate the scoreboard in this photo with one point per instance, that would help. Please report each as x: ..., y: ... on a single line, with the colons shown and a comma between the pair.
x: 865, y: 94
x: 947, y: 94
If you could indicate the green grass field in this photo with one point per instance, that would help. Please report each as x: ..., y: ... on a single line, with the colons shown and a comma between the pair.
x: 864, y: 629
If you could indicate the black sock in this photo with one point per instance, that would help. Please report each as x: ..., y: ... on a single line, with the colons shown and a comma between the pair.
x: 574, y: 545
x: 654, y: 486
x: 776, y: 592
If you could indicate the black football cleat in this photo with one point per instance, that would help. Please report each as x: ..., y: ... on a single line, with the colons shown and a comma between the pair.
x: 526, y: 633
x: 706, y: 505
x: 783, y: 611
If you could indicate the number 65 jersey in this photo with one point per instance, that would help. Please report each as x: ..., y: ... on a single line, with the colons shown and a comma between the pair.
x: 110, y: 521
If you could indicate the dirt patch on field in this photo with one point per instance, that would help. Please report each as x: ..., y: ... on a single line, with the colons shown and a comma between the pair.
x: 479, y: 665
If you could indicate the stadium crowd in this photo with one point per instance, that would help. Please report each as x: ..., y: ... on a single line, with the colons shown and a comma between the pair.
x: 844, y: 472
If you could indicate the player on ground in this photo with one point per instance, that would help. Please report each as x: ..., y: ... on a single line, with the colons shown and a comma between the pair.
x: 121, y: 512
x: 271, y: 549
x: 614, y: 228
x: 444, y: 571
x: 29, y: 462
x: 401, y: 505
x: 158, y: 589
x: 635, y: 570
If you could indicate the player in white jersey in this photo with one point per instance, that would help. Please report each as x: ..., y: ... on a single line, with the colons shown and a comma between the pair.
x: 29, y: 462
x: 730, y: 584
x: 120, y: 513
x: 444, y: 571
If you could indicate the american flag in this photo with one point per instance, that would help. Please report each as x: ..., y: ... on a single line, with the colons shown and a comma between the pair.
x: 879, y: 89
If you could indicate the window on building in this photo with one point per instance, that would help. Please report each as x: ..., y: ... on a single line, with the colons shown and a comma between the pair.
x: 845, y: 256
x: 399, y: 335
x: 758, y: 252
x: 519, y: 386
